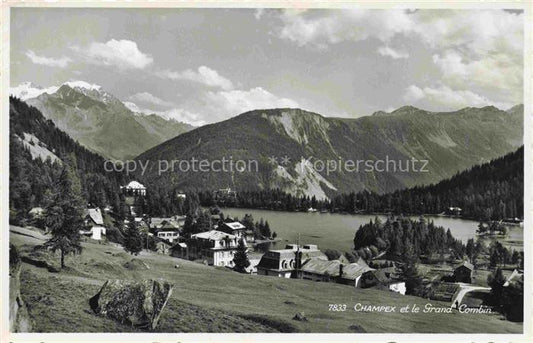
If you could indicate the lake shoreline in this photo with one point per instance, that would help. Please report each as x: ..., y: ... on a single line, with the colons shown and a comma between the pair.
x: 354, y: 213
x: 336, y: 231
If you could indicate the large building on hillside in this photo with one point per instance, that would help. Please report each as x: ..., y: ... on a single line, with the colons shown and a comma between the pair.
x: 134, y: 188
x: 285, y: 262
x: 235, y: 228
x: 216, y: 248
x: 167, y: 228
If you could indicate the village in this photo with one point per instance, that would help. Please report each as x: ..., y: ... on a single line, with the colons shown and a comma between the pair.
x: 454, y: 281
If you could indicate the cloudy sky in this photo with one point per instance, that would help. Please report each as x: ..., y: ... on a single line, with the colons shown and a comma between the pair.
x: 206, y: 65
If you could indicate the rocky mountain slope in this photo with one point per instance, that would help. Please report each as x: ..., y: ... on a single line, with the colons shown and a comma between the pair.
x: 98, y: 120
x: 293, y: 147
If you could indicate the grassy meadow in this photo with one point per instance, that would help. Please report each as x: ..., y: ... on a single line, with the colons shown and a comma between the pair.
x: 207, y: 299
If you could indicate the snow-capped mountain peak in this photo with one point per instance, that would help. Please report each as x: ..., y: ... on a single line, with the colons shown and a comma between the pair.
x: 133, y: 108
x: 83, y: 85
x: 91, y: 90
x: 28, y: 90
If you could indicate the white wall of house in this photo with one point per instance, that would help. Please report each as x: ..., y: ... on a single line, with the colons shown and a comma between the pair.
x: 97, y: 232
x: 223, y: 258
x: 170, y: 236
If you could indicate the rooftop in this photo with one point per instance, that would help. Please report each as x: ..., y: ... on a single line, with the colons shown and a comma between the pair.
x: 353, y: 270
x: 235, y: 226
x: 466, y: 264
x: 322, y: 267
x: 282, y: 253
x: 96, y: 215
x: 213, y: 235
x: 135, y: 185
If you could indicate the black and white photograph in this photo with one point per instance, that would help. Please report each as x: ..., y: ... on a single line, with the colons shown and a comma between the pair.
x: 264, y: 170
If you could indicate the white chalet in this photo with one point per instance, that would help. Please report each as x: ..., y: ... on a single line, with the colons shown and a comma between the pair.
x: 94, y: 223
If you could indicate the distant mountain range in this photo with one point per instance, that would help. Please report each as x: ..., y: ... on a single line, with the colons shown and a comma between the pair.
x: 281, y: 140
x: 98, y: 120
x: 450, y: 141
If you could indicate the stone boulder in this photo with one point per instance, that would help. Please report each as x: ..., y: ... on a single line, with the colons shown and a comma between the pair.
x: 139, y: 303
x: 300, y: 316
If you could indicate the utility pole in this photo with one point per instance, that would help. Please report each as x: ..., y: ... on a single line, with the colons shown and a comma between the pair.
x: 298, y: 257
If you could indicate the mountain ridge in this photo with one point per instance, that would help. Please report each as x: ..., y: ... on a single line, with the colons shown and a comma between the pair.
x: 451, y: 141
x: 99, y: 120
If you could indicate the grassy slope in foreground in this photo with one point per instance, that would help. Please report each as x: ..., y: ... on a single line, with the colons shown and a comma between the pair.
x: 207, y: 299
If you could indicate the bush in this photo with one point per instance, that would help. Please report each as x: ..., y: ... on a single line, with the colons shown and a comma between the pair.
x: 114, y: 235
x: 332, y: 254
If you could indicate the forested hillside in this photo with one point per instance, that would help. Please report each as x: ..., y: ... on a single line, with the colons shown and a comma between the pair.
x: 30, y: 176
x: 492, y: 190
x: 282, y: 140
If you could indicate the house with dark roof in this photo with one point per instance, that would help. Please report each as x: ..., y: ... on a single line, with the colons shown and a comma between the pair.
x: 286, y: 262
x: 180, y: 250
x: 352, y: 272
x: 164, y: 223
x: 463, y: 272
x: 234, y: 228
x: 321, y: 270
x: 280, y: 263
x: 381, y: 279
x: 254, y: 259
x: 357, y: 274
x: 165, y: 228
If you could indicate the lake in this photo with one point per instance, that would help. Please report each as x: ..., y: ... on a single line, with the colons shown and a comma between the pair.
x: 336, y: 231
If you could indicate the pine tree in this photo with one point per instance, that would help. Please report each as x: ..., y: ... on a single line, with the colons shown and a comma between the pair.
x: 133, y: 242
x: 64, y: 211
x: 240, y: 259
x: 470, y: 250
x: 496, y: 281
x: 515, y: 257
x: 409, y: 272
